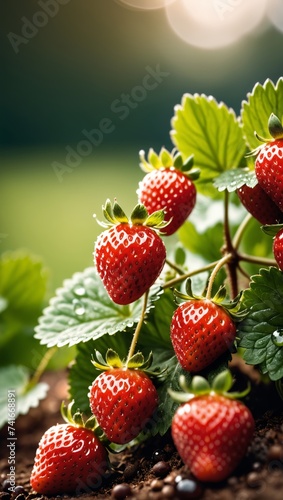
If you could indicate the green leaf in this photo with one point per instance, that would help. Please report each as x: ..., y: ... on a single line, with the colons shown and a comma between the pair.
x: 272, y: 229
x: 15, y: 395
x: 256, y: 110
x: 257, y: 332
x: 82, y: 310
x: 211, y: 132
x: 234, y: 179
x: 23, y: 281
x: 207, y: 244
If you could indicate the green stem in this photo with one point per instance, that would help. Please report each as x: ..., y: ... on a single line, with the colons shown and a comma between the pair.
x: 41, y: 367
x: 240, y: 231
x: 227, y: 234
x: 256, y: 260
x: 176, y: 268
x: 138, y: 329
x: 217, y: 268
x: 175, y: 281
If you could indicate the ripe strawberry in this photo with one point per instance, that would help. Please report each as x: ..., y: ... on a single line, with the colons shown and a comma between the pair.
x: 212, y: 434
x: 167, y: 187
x: 68, y: 458
x: 130, y: 255
x: 269, y: 163
x: 200, y: 332
x: 278, y: 248
x: 259, y: 204
x: 122, y: 400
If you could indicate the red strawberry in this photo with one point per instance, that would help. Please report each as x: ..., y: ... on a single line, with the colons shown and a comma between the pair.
x: 122, y: 400
x: 259, y: 204
x: 130, y: 255
x: 278, y: 248
x: 200, y: 332
x: 167, y: 187
x: 69, y: 458
x: 212, y: 431
x: 269, y: 163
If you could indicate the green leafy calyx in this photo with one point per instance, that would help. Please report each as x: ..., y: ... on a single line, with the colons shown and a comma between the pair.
x: 221, y: 385
x: 165, y: 159
x: 112, y: 360
x: 76, y: 419
x: 114, y: 215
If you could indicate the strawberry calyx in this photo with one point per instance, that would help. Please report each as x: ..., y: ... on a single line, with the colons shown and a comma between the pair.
x: 136, y: 362
x: 165, y: 159
x: 76, y: 419
x: 275, y: 129
x: 232, y: 307
x: 221, y: 385
x: 115, y: 215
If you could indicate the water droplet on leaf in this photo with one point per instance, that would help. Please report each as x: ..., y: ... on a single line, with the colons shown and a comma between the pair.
x: 277, y: 338
x: 79, y: 308
x: 79, y: 290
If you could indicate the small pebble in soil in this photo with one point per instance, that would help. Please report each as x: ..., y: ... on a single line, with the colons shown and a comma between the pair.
x: 156, y: 485
x: 188, y: 488
x: 121, y: 491
x: 130, y: 470
x: 161, y: 469
x: 168, y: 491
x: 253, y: 480
x: 19, y: 490
x: 275, y: 452
x: 6, y: 485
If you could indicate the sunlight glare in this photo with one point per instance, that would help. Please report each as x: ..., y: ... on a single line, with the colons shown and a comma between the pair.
x: 213, y: 24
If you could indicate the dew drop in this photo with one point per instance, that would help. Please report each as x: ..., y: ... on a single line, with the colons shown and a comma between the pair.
x: 277, y: 338
x: 79, y: 308
x: 79, y: 290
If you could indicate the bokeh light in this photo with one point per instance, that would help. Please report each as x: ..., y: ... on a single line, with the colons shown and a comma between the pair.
x: 275, y: 13
x: 213, y: 24
x: 145, y: 4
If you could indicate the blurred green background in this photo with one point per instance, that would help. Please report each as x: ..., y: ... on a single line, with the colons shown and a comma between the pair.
x: 68, y: 69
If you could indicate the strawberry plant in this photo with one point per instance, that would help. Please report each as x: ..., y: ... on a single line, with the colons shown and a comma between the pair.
x: 190, y: 280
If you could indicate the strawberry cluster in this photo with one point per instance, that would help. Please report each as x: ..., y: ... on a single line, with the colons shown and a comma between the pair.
x: 212, y: 431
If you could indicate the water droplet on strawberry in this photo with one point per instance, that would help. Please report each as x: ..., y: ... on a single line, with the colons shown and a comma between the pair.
x: 277, y: 338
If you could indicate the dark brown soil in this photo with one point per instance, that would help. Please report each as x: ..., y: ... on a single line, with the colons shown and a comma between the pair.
x: 154, y: 470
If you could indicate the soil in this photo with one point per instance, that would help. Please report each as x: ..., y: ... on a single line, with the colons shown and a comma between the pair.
x: 154, y: 470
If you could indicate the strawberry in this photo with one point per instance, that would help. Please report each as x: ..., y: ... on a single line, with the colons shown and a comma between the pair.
x: 211, y: 431
x: 278, y: 248
x: 167, y: 187
x: 122, y: 400
x: 200, y: 332
x: 269, y: 163
x: 130, y: 255
x: 259, y: 204
x: 69, y: 457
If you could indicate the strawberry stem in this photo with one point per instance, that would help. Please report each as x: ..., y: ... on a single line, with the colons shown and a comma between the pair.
x: 225, y: 260
x: 240, y: 231
x: 183, y: 277
x: 176, y: 268
x: 41, y: 367
x: 137, y: 330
